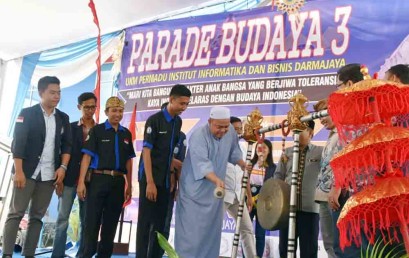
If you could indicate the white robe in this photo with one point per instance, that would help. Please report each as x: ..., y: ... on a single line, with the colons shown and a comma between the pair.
x: 199, y: 215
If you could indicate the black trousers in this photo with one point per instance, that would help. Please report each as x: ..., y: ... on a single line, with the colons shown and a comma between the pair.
x: 151, y: 218
x: 169, y: 215
x: 104, y: 200
x: 307, y: 229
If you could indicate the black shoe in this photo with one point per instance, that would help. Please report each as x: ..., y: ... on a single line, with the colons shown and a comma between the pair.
x: 7, y: 256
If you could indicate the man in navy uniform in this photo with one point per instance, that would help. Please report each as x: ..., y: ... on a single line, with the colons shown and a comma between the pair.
x: 179, y: 154
x: 156, y: 169
x: 41, y: 150
x: 108, y: 152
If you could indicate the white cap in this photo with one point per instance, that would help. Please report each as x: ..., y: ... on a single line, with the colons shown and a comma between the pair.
x: 220, y: 113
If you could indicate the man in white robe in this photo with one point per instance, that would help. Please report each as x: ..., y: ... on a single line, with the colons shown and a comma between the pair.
x: 199, y: 214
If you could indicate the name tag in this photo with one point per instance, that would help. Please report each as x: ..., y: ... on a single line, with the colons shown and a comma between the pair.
x: 105, y: 140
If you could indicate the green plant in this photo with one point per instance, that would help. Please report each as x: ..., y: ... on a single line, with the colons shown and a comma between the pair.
x: 380, y: 250
x: 164, y: 244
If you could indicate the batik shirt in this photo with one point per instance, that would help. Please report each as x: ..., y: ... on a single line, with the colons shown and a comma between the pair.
x: 326, y: 175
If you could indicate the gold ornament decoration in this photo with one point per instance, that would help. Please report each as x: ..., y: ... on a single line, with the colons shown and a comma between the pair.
x: 365, y: 72
x: 298, y: 105
x: 254, y: 121
x: 289, y: 6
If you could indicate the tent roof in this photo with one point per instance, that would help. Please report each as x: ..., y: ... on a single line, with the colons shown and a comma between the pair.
x: 37, y: 25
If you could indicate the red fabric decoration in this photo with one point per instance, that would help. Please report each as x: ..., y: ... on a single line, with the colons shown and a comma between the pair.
x: 401, y: 120
x: 381, y: 206
x: 364, y: 114
x: 375, y: 153
x: 351, y: 110
x: 97, y: 90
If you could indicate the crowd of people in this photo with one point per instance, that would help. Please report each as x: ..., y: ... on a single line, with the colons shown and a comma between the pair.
x: 92, y: 161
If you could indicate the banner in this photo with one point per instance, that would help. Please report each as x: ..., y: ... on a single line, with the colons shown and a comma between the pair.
x: 258, y: 58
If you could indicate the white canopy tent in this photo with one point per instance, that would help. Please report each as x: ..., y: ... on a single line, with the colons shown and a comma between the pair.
x: 37, y: 25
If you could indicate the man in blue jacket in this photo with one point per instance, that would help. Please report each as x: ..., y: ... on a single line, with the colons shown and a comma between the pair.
x: 41, y: 150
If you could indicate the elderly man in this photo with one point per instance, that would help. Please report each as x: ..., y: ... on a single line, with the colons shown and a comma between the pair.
x: 199, y: 215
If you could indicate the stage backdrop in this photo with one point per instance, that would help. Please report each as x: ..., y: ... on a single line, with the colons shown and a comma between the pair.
x: 258, y: 58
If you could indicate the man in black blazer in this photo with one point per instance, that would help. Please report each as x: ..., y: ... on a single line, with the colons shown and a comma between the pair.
x: 41, y: 150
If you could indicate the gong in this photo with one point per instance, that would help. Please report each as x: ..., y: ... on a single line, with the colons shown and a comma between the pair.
x: 273, y: 205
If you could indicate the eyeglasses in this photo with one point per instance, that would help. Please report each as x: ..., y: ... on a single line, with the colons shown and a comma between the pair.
x: 89, y: 107
x: 339, y: 85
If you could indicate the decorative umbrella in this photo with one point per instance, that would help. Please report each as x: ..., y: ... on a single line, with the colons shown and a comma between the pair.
x: 401, y: 120
x: 381, y: 206
x: 379, y: 151
x: 372, y: 159
x: 351, y: 108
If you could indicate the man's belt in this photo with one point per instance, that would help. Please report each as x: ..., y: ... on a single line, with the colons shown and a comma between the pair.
x: 108, y: 172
